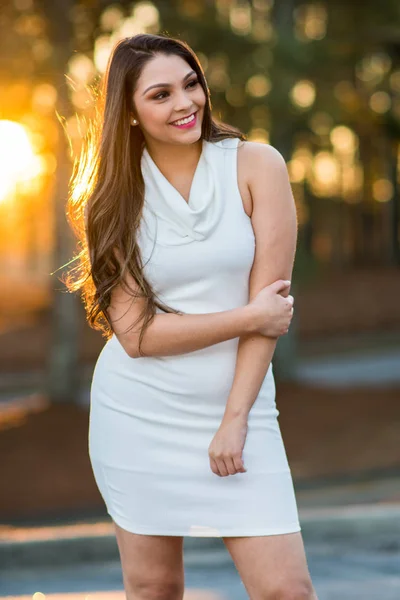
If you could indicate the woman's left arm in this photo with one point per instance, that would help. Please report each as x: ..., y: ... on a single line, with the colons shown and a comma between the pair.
x: 274, y: 223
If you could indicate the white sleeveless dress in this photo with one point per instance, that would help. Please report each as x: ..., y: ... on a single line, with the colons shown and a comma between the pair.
x: 152, y: 418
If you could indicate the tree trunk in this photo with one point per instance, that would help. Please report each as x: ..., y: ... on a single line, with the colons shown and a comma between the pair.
x: 62, y: 373
x: 281, y: 138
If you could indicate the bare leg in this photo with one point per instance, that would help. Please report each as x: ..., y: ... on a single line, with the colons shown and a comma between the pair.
x: 272, y: 567
x: 152, y: 565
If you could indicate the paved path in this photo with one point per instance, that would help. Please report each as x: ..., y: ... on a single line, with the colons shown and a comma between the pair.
x: 338, y: 571
x: 353, y: 553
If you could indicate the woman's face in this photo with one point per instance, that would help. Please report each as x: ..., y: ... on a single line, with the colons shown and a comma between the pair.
x: 175, y: 92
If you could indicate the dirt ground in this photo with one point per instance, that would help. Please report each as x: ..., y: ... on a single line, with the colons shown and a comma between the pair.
x: 45, y: 469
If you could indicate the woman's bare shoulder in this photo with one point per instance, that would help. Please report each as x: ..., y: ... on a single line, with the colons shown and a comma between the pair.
x: 259, y: 154
x: 257, y: 161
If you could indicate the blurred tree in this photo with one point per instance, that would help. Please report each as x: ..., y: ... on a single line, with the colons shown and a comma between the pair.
x: 281, y: 137
x: 291, y: 73
x: 63, y: 368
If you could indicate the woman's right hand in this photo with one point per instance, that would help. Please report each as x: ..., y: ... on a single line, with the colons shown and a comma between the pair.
x: 271, y: 313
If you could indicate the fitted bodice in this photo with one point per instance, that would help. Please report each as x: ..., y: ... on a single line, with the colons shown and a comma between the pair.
x: 197, y: 254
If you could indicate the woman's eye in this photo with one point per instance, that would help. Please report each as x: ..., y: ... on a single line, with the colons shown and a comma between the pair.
x: 191, y: 84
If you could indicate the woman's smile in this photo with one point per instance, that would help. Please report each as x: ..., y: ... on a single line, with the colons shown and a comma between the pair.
x: 187, y: 122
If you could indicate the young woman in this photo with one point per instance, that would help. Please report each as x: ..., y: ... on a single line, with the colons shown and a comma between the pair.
x: 186, y: 251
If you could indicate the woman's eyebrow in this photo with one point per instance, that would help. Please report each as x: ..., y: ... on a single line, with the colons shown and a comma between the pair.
x: 167, y: 84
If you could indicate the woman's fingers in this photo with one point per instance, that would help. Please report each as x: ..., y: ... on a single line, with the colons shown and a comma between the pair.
x: 239, y: 465
x: 227, y: 466
x: 218, y: 467
x: 230, y: 466
x: 214, y: 466
x: 222, y: 467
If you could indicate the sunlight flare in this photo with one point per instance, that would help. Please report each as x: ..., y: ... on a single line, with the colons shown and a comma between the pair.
x: 18, y: 162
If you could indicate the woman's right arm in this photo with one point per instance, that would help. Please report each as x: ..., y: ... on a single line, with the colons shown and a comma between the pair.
x: 171, y: 334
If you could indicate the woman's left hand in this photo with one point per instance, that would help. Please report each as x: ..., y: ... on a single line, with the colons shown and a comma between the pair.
x: 226, y: 448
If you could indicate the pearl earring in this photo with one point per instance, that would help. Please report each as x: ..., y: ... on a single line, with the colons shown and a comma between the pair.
x: 133, y: 121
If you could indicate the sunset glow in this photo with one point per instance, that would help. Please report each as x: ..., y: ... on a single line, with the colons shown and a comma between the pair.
x: 18, y: 162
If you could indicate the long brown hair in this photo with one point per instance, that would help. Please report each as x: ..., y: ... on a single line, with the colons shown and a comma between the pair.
x: 107, y: 189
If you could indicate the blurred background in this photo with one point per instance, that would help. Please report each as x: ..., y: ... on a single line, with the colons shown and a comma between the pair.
x: 320, y: 81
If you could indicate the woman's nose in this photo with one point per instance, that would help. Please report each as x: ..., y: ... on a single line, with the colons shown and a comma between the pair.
x: 183, y: 102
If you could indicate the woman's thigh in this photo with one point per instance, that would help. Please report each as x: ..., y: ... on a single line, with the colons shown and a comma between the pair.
x: 151, y: 564
x: 272, y: 566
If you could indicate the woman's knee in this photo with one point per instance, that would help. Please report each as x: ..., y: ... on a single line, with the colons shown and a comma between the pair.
x: 292, y: 590
x: 153, y: 589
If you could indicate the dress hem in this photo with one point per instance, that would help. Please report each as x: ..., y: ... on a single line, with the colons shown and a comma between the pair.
x: 294, y: 528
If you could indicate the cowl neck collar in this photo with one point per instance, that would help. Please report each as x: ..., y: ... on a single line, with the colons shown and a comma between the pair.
x: 179, y: 221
